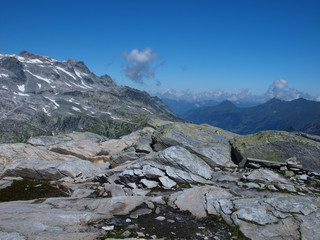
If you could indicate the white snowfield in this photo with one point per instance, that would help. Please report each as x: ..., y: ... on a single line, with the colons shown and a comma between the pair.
x: 47, y: 80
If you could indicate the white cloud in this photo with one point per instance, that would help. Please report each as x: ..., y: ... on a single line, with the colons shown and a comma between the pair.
x: 140, y: 65
x: 278, y: 89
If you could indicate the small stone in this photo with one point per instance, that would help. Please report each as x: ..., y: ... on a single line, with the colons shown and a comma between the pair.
x: 303, y: 177
x: 140, y: 234
x: 153, y: 237
x: 289, y: 174
x: 157, y: 211
x: 252, y: 185
x: 272, y: 188
x: 283, y: 168
x: 126, y: 233
x: 108, y: 228
x: 171, y: 221
x: 152, y: 172
x: 286, y: 187
x: 128, y: 220
x: 149, y: 183
x: 167, y: 182
x: 140, y: 212
x: 13, y: 178
x: 82, y: 193
x: 240, y: 184
x: 5, y: 184
x: 138, y: 172
x: 254, y: 165
x: 132, y: 185
x: 150, y: 204
x: 128, y: 172
x: 160, y: 218
x: 140, y: 192
x: 295, y: 169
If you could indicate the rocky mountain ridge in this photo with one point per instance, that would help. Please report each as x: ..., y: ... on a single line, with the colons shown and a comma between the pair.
x: 42, y: 96
x: 170, y: 180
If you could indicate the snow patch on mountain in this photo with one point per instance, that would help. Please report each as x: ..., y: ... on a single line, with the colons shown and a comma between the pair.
x: 21, y: 88
x: 66, y: 72
x: 39, y: 77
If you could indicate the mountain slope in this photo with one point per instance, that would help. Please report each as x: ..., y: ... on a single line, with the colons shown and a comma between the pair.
x: 300, y: 114
x: 43, y: 96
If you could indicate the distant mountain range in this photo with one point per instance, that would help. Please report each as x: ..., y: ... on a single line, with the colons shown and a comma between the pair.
x: 297, y: 115
x: 42, y: 96
x: 181, y: 106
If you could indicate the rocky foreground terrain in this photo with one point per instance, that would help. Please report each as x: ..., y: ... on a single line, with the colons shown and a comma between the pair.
x: 170, y: 180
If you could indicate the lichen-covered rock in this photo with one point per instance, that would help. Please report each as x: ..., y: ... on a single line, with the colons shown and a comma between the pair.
x: 209, y: 143
x: 277, y: 146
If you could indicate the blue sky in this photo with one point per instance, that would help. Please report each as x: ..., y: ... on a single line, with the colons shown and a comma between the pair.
x: 155, y: 45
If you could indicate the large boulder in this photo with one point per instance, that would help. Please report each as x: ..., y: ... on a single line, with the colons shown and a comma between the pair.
x: 277, y: 146
x: 207, y: 142
x: 172, y: 164
x: 179, y: 158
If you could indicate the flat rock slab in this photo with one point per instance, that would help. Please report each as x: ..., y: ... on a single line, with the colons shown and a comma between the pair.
x: 266, y: 176
x: 75, y: 136
x: 61, y: 218
x: 17, y: 151
x: 258, y: 218
x: 50, y: 170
